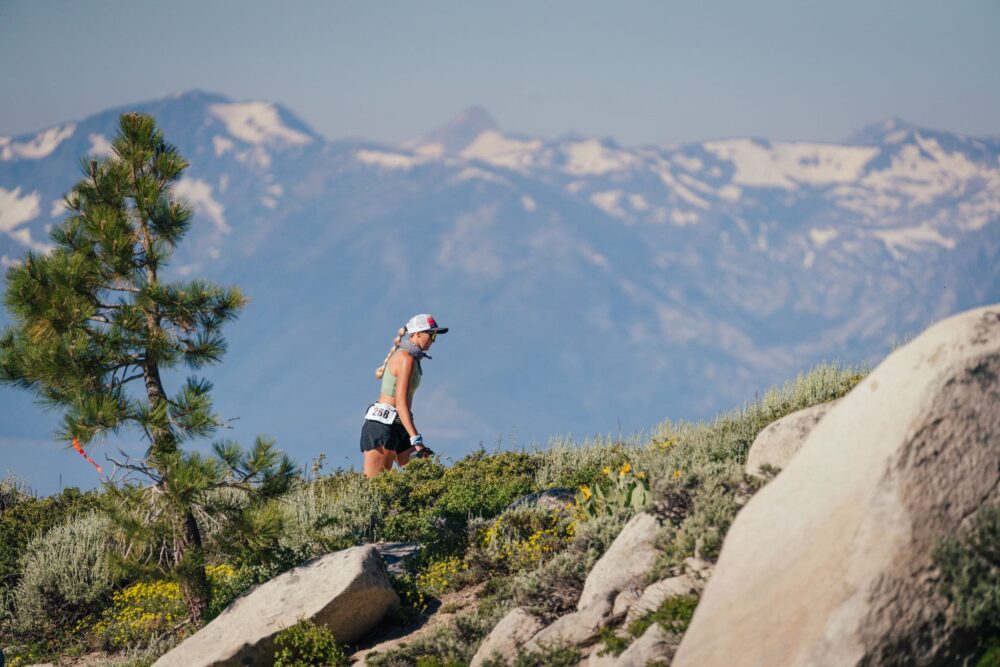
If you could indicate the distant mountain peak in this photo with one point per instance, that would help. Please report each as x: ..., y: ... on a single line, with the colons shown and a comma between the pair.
x: 458, y: 132
x: 890, y: 130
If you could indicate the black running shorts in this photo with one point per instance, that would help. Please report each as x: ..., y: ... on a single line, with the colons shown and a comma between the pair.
x: 391, y: 436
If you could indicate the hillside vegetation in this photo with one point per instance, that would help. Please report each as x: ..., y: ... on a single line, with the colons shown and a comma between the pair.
x: 67, y: 591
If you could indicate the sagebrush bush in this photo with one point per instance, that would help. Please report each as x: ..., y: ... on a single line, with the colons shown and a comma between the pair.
x: 23, y: 517
x: 331, y: 513
x: 565, y: 463
x: 67, y: 574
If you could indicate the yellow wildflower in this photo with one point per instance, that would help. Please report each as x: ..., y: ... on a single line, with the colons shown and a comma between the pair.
x: 677, y: 473
x: 606, y: 470
x: 626, y: 469
x: 586, y: 491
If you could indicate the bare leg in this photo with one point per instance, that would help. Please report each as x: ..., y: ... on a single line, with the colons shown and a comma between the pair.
x: 375, y: 461
x: 404, y: 456
x: 387, y: 461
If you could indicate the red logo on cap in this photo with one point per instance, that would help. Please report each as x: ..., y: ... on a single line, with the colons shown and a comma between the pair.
x: 431, y: 322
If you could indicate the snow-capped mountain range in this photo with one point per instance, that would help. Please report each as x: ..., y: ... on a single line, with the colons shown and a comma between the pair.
x: 588, y: 284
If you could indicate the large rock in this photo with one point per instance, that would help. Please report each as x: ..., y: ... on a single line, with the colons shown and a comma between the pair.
x: 548, y: 500
x: 347, y: 591
x: 655, y: 645
x: 513, y: 630
x: 578, y: 628
x: 831, y: 563
x: 626, y: 562
x: 777, y: 444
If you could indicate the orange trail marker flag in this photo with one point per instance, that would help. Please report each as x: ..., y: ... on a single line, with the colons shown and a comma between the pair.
x: 77, y: 447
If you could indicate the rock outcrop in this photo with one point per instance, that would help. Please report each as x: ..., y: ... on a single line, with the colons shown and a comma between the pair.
x: 513, y: 630
x: 625, y: 563
x: 552, y: 499
x: 777, y: 444
x: 346, y: 591
x: 831, y: 563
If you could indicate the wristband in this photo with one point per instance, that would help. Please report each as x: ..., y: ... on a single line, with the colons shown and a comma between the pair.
x: 417, y: 440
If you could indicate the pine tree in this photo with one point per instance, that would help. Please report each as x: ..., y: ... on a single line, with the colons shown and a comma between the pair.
x: 95, y: 325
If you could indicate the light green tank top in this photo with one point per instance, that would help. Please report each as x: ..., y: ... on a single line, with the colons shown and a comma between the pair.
x: 389, y: 382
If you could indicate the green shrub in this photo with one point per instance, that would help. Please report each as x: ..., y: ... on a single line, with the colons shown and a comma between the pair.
x: 970, y: 574
x: 24, y: 517
x: 518, y: 540
x: 306, y: 644
x: 452, y: 644
x: 67, y: 574
x: 554, y: 655
x: 991, y: 653
x: 674, y: 615
x: 554, y: 586
x: 431, y: 504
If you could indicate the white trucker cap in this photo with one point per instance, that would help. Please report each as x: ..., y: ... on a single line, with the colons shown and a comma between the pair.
x: 424, y: 322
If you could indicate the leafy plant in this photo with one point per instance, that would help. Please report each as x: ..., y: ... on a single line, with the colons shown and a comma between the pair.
x: 306, y: 644
x: 624, y: 490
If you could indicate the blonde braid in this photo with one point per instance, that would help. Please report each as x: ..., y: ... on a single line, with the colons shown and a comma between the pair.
x: 380, y: 371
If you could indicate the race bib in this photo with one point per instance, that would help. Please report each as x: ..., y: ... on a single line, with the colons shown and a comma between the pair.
x: 381, y: 412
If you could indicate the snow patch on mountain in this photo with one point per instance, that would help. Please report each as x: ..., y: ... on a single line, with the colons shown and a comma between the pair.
x: 199, y: 194
x: 638, y: 202
x: 388, y: 160
x: 980, y: 209
x: 499, y: 150
x: 689, y: 163
x: 820, y: 237
x: 222, y: 145
x: 475, y: 173
x: 910, y: 238
x: 684, y: 218
x: 609, y: 202
x: 924, y: 171
x: 592, y: 158
x: 16, y: 210
x: 42, y: 145
x: 100, y: 146
x: 257, y: 123
x: 679, y: 190
x: 786, y: 165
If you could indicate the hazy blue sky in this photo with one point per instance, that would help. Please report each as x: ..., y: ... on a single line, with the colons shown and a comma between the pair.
x: 641, y: 72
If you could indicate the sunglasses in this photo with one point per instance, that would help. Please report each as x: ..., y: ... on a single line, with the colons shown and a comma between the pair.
x: 433, y: 335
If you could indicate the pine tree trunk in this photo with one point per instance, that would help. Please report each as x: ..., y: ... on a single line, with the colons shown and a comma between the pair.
x: 195, y: 588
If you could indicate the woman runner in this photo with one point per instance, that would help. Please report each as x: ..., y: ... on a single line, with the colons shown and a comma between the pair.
x: 389, y: 434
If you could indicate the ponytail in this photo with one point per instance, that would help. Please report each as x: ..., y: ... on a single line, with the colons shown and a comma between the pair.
x: 380, y: 371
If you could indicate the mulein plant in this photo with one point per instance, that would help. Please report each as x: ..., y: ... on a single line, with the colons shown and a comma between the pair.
x: 96, y: 327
